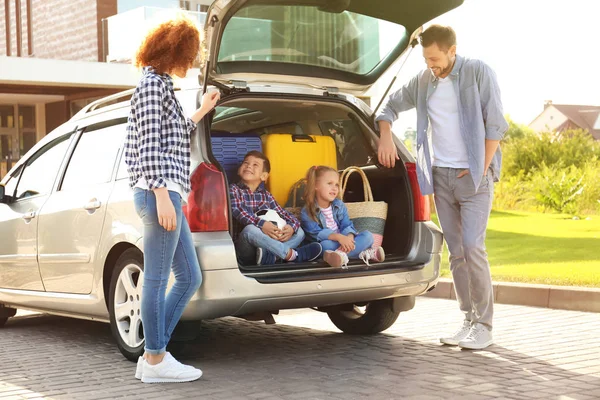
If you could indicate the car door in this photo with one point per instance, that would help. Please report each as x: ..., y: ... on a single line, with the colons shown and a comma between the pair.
x: 72, y: 219
x: 28, y: 189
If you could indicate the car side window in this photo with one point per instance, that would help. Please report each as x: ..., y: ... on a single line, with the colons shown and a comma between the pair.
x: 41, y: 169
x: 94, y: 157
x: 353, y: 148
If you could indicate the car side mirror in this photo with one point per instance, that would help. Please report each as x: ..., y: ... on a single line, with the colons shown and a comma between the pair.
x: 2, y: 191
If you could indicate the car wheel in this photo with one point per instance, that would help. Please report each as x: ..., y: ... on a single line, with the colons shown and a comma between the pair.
x: 3, y: 321
x: 124, y: 304
x: 366, y: 319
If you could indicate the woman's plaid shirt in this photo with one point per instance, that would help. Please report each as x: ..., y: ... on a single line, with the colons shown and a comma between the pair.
x: 157, y: 146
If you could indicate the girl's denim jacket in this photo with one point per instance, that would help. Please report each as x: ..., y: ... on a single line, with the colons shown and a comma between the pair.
x: 318, y: 231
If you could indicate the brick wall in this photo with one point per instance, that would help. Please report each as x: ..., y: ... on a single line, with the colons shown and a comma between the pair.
x: 62, y: 29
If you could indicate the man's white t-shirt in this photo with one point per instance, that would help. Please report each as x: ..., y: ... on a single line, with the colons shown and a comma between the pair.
x: 449, y: 148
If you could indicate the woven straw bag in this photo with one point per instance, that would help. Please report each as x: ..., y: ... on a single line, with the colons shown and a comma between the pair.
x: 368, y: 215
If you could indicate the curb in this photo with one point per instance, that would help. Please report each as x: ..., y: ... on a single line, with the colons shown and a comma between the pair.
x: 524, y: 294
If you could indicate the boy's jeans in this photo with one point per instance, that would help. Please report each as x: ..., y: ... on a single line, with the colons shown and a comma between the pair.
x: 252, y: 237
x: 362, y: 242
x: 164, y: 251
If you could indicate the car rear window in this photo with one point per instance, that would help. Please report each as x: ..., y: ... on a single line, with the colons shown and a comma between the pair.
x: 309, y: 35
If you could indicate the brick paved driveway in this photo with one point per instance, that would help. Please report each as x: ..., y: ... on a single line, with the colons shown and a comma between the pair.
x: 540, y: 353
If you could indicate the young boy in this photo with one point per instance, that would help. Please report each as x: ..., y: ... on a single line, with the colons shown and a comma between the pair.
x: 258, y: 241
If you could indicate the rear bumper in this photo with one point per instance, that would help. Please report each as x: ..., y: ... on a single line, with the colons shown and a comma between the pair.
x: 228, y: 292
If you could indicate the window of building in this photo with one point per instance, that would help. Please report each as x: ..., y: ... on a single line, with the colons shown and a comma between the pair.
x: 27, y: 133
x: 94, y: 157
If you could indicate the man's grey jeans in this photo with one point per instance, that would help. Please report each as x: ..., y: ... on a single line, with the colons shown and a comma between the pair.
x: 463, y: 212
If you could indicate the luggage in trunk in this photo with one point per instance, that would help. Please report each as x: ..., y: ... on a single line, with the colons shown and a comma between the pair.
x: 291, y: 156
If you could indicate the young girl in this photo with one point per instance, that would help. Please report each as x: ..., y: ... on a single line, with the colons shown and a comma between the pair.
x: 325, y: 220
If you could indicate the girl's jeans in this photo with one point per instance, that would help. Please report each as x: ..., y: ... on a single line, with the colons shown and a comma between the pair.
x: 164, y: 251
x: 362, y: 241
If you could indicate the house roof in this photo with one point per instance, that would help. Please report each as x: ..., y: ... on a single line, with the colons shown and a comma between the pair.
x: 583, y: 116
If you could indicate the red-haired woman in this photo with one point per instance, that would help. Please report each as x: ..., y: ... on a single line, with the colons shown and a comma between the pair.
x: 157, y: 153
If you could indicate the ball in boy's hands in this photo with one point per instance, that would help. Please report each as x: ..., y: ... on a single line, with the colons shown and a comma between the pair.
x: 272, y: 216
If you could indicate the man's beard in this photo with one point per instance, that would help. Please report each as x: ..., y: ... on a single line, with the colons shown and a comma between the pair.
x: 444, y: 71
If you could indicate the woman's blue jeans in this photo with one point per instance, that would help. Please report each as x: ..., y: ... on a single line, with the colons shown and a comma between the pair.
x: 165, y: 251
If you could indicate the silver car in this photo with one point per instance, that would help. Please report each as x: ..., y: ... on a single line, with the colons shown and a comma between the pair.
x: 71, y: 242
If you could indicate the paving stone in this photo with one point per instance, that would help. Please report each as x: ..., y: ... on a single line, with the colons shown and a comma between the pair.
x: 539, y: 353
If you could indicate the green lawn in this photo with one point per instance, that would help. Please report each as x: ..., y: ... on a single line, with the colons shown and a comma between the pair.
x: 542, y: 248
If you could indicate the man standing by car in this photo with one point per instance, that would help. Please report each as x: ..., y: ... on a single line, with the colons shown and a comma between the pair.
x: 460, y: 99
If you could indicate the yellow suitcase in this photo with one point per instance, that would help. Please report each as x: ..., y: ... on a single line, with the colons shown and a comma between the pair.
x: 291, y: 156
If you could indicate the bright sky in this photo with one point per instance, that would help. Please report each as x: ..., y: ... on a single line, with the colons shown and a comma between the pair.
x: 540, y: 49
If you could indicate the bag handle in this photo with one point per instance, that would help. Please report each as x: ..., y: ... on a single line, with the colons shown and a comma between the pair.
x: 368, y: 193
x: 303, y: 138
x: 294, y: 191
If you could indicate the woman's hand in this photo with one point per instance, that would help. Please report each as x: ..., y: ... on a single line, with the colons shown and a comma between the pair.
x: 209, y: 101
x: 167, y: 218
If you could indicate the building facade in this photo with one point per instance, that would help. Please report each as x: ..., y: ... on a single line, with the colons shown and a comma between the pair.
x: 53, y: 62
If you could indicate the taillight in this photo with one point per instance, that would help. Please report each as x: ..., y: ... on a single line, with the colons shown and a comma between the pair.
x: 420, y: 202
x: 206, y: 210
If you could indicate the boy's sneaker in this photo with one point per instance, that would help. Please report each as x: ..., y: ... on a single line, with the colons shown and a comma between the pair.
x: 169, y: 371
x: 265, y: 257
x: 479, y: 338
x: 336, y: 258
x: 308, y: 253
x: 459, y: 335
x: 375, y: 254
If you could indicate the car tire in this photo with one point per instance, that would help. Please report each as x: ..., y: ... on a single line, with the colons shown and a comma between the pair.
x: 124, y: 304
x: 3, y: 321
x: 374, y: 317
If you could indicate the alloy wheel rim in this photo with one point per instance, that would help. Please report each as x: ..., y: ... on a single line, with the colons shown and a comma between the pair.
x: 128, y: 304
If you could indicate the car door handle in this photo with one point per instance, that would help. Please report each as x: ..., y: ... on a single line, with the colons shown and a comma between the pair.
x: 92, y: 205
x: 29, y: 215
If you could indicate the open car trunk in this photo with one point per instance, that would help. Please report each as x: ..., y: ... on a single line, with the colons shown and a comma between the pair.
x: 252, y: 117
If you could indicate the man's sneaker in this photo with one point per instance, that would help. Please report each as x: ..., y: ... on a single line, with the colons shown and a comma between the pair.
x: 308, y: 253
x: 478, y: 338
x: 375, y: 254
x: 459, y: 335
x: 169, y: 371
x: 265, y: 257
x: 336, y: 258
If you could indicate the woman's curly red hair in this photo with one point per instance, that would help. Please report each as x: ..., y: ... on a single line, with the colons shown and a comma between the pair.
x: 174, y: 44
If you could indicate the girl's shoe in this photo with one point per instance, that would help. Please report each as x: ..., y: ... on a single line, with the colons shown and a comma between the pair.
x: 375, y: 254
x: 336, y: 258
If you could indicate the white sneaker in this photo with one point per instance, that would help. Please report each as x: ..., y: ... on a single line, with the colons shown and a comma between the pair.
x: 336, y: 258
x: 459, y: 335
x: 169, y: 370
x: 139, y: 369
x: 478, y: 338
x: 373, y: 254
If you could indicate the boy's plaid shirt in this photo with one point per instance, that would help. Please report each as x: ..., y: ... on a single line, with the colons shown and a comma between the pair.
x: 245, y: 204
x: 157, y: 146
